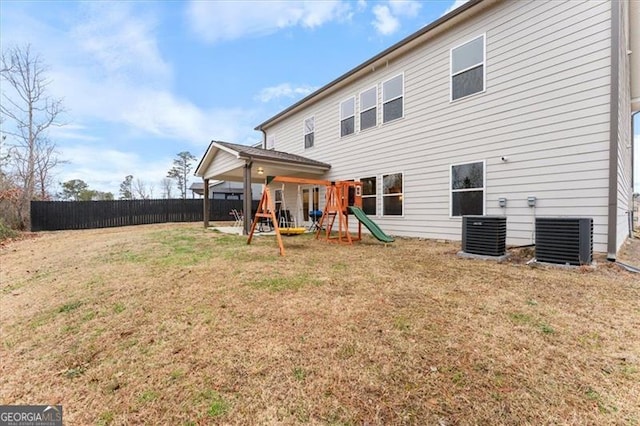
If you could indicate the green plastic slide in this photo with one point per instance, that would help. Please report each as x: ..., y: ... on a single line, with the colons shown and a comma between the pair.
x: 371, y: 225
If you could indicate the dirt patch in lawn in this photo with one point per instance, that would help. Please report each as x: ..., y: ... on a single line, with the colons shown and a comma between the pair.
x: 174, y: 324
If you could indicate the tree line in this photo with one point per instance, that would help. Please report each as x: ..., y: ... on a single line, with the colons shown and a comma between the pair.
x: 28, y: 156
x: 136, y: 189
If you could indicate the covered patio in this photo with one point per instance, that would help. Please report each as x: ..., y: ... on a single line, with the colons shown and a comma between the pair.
x: 249, y: 164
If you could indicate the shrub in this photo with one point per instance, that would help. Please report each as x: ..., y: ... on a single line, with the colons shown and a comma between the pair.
x: 6, y: 231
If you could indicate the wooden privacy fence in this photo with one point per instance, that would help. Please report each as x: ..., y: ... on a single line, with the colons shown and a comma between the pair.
x: 58, y: 215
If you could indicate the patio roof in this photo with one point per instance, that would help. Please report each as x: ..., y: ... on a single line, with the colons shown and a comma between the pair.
x: 226, y: 161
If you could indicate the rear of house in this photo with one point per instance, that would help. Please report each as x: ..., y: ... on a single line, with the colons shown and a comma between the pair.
x: 515, y: 108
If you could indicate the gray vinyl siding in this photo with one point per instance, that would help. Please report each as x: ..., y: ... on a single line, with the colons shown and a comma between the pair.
x: 545, y: 107
x: 625, y: 190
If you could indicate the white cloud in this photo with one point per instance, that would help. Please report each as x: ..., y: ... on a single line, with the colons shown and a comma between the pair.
x: 385, y: 23
x: 456, y: 4
x: 104, y: 169
x: 219, y: 20
x: 284, y: 90
x: 72, y: 131
x: 388, y: 16
x: 164, y: 115
x: 120, y: 42
x: 409, y: 8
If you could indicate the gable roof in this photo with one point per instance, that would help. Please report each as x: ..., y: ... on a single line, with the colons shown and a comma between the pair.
x: 270, y: 154
x: 397, y: 49
x: 254, y: 153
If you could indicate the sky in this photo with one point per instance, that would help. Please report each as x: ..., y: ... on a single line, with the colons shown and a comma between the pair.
x: 144, y: 80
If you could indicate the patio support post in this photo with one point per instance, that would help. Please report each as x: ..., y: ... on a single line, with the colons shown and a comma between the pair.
x: 247, y: 198
x: 205, y: 203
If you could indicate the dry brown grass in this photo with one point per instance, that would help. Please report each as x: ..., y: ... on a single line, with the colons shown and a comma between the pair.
x: 172, y: 324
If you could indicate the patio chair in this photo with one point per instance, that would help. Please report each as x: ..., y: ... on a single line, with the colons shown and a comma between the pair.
x: 238, y: 217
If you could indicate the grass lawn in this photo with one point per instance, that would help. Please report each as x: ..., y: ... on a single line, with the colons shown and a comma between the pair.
x: 173, y: 324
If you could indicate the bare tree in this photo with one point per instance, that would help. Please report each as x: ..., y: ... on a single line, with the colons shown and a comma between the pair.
x: 167, y: 188
x: 142, y: 190
x: 182, y: 166
x: 31, y: 112
x: 46, y: 161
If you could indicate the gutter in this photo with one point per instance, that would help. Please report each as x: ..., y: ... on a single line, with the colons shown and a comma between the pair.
x: 612, y: 227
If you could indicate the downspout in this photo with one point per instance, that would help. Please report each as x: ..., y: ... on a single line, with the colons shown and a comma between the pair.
x: 613, y: 132
x: 264, y: 138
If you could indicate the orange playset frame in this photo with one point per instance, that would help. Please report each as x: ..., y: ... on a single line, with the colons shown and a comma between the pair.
x: 339, y: 196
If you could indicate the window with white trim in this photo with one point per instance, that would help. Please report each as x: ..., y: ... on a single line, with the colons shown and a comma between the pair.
x: 467, y: 189
x: 271, y: 141
x: 369, y: 195
x: 369, y: 108
x: 309, y: 130
x: 392, y: 195
x: 348, y: 117
x: 468, y: 68
x: 392, y: 98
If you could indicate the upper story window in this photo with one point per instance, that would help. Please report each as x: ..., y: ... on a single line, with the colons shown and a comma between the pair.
x: 467, y: 189
x: 392, y: 98
x: 309, y: 130
x: 369, y: 195
x: 369, y: 108
x: 271, y: 142
x: 348, y: 117
x: 392, y: 195
x: 468, y: 68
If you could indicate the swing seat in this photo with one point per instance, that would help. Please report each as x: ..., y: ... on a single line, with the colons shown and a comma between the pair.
x: 292, y: 231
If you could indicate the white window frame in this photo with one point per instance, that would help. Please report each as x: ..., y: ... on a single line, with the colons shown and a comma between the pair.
x: 382, y: 194
x: 484, y: 186
x: 483, y: 63
x: 375, y: 194
x: 383, y: 102
x: 305, y: 133
x: 353, y: 98
x: 360, y: 129
x: 271, y: 141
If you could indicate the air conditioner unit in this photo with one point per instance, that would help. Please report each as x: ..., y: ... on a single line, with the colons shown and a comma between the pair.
x: 564, y: 240
x: 484, y: 235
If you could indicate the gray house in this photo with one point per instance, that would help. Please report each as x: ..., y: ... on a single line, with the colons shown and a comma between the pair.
x: 224, y: 190
x: 514, y: 108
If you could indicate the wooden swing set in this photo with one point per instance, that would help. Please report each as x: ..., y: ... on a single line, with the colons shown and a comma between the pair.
x: 339, y: 196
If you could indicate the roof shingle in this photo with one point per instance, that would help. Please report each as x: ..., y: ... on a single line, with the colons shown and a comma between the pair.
x: 268, y: 154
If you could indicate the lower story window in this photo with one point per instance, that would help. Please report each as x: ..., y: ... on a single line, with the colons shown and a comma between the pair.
x: 392, y: 195
x: 369, y: 195
x: 467, y: 189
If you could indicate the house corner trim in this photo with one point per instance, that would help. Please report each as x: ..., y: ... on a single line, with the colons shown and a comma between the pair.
x: 613, y: 132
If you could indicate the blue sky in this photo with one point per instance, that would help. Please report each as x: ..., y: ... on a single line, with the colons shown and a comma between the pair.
x: 145, y: 80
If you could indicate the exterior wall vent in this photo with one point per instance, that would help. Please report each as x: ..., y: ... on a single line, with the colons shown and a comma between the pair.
x: 564, y: 240
x: 484, y: 235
